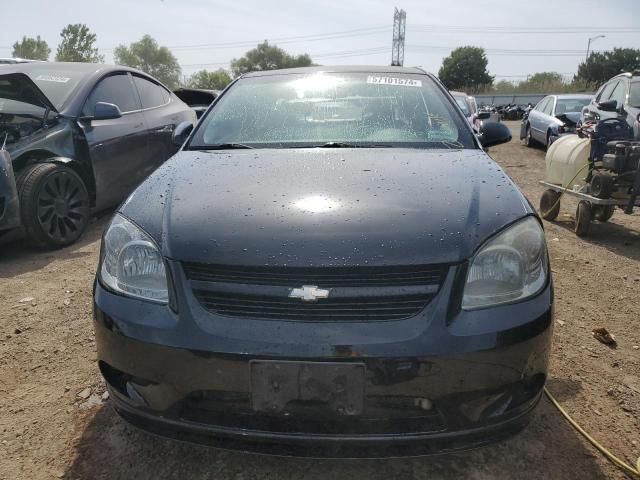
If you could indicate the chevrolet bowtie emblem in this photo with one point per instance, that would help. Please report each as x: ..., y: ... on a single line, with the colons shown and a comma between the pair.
x: 309, y: 293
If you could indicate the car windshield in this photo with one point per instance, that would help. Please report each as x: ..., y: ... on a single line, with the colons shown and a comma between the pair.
x: 333, y: 109
x: 462, y: 103
x: 57, y: 83
x: 634, y: 94
x: 565, y: 105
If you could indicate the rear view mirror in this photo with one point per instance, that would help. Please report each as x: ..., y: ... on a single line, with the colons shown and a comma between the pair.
x: 106, y: 111
x: 181, y: 133
x: 608, y: 106
x: 494, y: 133
x: 484, y: 115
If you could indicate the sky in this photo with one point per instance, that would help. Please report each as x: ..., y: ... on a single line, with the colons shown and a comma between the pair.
x: 521, y: 37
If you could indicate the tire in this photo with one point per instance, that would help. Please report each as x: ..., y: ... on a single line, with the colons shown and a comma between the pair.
x: 54, y: 204
x: 549, y: 142
x: 528, y: 141
x: 602, y: 186
x: 583, y: 218
x: 550, y: 205
x: 602, y: 213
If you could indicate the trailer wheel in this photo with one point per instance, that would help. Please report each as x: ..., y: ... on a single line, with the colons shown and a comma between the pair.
x: 603, y: 213
x: 550, y: 205
x: 583, y: 218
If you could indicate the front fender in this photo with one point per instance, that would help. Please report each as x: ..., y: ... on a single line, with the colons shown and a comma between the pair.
x: 9, y: 203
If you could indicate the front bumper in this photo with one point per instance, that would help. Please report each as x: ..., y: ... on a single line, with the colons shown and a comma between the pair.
x: 9, y: 204
x: 432, y: 384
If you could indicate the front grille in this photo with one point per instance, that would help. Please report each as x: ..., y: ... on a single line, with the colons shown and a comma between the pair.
x: 356, y: 293
x: 329, y: 277
x: 383, y: 415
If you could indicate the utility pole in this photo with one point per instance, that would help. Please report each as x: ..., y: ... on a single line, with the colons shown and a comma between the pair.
x: 592, y: 39
x: 397, y: 46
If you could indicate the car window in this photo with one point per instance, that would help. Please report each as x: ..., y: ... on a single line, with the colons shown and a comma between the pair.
x: 565, y: 105
x: 116, y: 89
x: 473, y: 105
x: 606, y: 91
x: 634, y: 94
x: 56, y: 82
x: 618, y: 93
x: 542, y: 104
x: 363, y: 109
x: 151, y: 94
x: 461, y: 101
x: 548, y: 108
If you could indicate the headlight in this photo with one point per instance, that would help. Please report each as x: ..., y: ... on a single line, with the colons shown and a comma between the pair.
x: 508, y: 268
x: 131, y: 262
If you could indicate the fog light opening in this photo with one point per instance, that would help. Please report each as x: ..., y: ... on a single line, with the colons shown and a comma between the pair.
x: 423, y: 403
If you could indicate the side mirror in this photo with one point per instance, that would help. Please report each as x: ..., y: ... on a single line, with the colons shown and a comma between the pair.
x: 484, y: 115
x: 181, y: 133
x: 608, y: 106
x: 493, y: 133
x: 106, y: 111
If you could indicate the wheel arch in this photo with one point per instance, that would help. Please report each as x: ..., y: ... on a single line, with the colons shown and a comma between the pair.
x: 46, y: 156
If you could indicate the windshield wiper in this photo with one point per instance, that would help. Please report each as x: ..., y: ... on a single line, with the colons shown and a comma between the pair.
x: 223, y: 146
x: 350, y: 145
x: 336, y: 145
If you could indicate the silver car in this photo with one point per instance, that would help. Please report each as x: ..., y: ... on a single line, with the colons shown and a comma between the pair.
x: 552, y: 117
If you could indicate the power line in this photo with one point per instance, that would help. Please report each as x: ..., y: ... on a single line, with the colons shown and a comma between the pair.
x: 282, y: 40
x: 524, y: 30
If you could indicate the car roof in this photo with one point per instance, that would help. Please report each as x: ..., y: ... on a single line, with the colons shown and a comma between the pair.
x: 80, y: 67
x: 569, y: 96
x: 339, y: 69
x: 89, y: 73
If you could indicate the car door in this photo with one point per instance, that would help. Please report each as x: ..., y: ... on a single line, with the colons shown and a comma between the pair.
x: 603, y: 96
x: 619, y: 93
x: 536, y: 118
x: 161, y: 116
x: 117, y: 147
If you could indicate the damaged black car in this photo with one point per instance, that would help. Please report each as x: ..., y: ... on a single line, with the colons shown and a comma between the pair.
x: 77, y: 138
x: 331, y: 265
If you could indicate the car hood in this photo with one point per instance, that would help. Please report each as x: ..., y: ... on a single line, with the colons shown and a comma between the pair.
x: 569, y: 118
x: 301, y: 207
x: 19, y: 87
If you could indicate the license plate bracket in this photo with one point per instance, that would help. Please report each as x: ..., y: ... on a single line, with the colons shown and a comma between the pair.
x: 275, y: 383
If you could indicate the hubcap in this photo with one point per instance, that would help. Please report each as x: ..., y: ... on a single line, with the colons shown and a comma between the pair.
x: 61, y: 207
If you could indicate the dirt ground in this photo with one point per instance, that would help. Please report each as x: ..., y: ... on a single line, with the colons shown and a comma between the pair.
x: 55, y: 421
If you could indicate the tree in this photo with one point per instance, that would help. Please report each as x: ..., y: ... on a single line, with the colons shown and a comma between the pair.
x: 31, y: 48
x: 543, y: 82
x: 267, y: 57
x: 600, y: 67
x: 77, y: 45
x: 211, y: 80
x: 148, y: 56
x: 465, y: 67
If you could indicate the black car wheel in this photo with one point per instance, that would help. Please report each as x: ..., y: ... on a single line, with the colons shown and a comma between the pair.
x: 549, y: 141
x: 54, y: 204
x: 528, y: 141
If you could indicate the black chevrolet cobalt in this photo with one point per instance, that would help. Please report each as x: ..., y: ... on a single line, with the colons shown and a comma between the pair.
x: 331, y: 265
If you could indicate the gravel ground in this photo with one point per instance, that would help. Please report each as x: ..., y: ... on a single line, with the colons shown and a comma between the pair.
x: 55, y: 421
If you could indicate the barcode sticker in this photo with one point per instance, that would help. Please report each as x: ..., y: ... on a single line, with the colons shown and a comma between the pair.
x: 52, y: 78
x: 403, y: 82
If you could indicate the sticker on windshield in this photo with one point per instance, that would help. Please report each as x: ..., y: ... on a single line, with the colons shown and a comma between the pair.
x: 404, y: 82
x: 53, y: 78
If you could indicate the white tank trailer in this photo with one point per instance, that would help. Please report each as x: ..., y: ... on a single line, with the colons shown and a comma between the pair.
x: 602, y: 173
